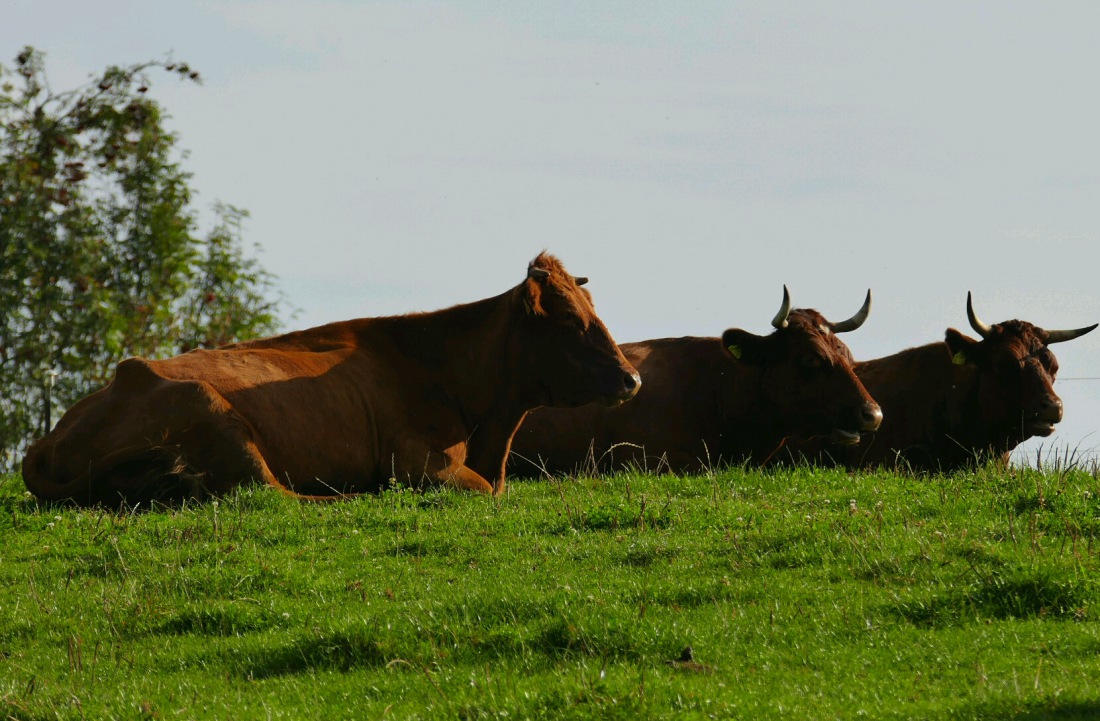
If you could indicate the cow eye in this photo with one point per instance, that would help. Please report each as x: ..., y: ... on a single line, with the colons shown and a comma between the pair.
x: 810, y: 362
x: 573, y: 324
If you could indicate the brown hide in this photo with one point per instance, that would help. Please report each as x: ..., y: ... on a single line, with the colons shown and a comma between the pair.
x: 950, y: 405
x: 701, y: 407
x: 343, y: 408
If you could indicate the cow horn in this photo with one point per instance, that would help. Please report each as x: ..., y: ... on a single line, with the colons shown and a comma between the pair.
x: 856, y: 320
x: 537, y: 273
x: 1061, y: 336
x: 580, y: 279
x: 780, y: 319
x: 981, y: 328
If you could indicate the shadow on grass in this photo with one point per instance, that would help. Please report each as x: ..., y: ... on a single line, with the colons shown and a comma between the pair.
x: 905, y: 569
x: 1027, y: 503
x: 1004, y: 595
x: 561, y: 638
x: 1036, y: 711
x: 682, y: 597
x: 594, y: 701
x: 547, y: 643
x: 228, y: 620
x: 421, y: 548
x: 334, y: 651
x: 785, y: 550
x: 363, y: 648
x: 609, y: 519
x: 646, y: 556
x: 617, y: 517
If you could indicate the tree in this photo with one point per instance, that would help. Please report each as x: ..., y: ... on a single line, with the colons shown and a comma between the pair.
x: 99, y: 253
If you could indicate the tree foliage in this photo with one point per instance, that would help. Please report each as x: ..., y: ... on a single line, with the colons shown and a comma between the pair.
x: 100, y: 256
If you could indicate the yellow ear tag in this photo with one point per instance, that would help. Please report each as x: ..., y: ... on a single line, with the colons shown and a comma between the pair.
x: 959, y: 358
x: 735, y: 351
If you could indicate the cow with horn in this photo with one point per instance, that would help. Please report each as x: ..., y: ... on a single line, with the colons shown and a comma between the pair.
x: 711, y: 401
x: 958, y: 403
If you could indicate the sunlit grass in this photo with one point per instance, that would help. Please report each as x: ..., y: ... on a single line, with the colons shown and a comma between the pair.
x: 803, y: 593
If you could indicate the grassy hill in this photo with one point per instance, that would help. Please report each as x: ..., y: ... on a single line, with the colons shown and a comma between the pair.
x: 803, y: 593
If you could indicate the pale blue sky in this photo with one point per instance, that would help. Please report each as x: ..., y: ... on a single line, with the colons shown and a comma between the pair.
x: 689, y: 157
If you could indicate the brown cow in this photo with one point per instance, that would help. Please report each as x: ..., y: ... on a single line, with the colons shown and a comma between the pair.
x: 961, y: 402
x: 707, y: 401
x: 343, y: 408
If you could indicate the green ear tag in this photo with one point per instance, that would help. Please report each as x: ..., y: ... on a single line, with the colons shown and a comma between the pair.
x: 959, y: 358
x: 735, y: 351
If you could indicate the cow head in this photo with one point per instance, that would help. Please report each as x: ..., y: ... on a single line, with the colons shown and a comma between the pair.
x: 1015, y: 372
x: 569, y: 357
x: 807, y: 383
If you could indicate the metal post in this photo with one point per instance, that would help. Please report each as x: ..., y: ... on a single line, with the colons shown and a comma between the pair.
x: 47, y: 394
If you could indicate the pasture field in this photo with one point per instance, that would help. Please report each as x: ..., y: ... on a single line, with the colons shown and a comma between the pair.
x: 804, y: 594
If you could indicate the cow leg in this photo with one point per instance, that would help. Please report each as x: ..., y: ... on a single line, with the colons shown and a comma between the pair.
x: 464, y: 479
x: 204, y: 448
x: 223, y: 451
x: 418, y: 464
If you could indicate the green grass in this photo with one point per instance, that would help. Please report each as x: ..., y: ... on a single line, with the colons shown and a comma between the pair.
x: 804, y: 593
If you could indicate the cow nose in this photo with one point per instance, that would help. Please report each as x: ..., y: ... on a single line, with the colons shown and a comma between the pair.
x: 631, y: 383
x: 1050, y: 409
x: 870, y: 417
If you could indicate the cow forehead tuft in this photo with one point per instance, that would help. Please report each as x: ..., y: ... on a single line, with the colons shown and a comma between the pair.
x: 1018, y: 337
x: 548, y: 261
x: 807, y: 326
x: 808, y: 322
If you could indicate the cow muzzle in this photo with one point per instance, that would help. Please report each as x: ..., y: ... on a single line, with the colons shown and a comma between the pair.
x: 629, y: 385
x: 868, y: 419
x: 1043, y: 421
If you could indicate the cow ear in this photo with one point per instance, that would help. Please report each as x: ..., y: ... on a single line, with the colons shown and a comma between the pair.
x: 963, y: 348
x: 532, y: 297
x: 743, y: 346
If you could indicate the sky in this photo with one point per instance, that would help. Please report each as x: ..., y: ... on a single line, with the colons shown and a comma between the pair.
x: 690, y: 158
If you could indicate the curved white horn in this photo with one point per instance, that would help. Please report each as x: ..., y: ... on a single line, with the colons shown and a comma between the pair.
x: 979, y: 327
x: 780, y: 319
x: 856, y: 320
x: 1061, y: 336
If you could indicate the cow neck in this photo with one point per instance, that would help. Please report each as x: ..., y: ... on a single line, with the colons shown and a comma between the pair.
x: 749, y: 431
x: 971, y: 430
x: 959, y: 423
x: 464, y: 347
x: 910, y: 383
x: 925, y: 387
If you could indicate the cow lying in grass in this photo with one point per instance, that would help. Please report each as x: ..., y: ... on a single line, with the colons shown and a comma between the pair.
x: 957, y: 403
x: 344, y: 408
x: 711, y: 401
